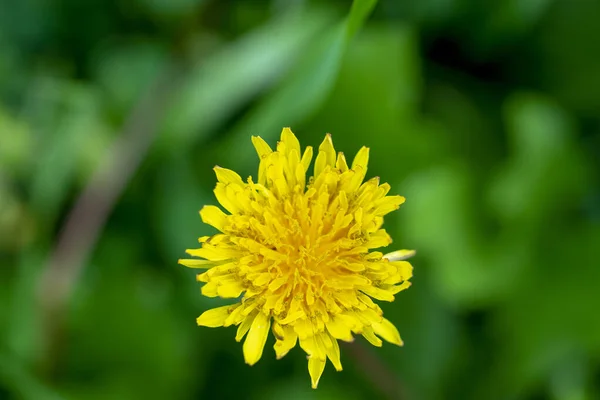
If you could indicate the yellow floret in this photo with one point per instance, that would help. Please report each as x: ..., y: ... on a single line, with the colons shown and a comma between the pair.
x: 298, y: 253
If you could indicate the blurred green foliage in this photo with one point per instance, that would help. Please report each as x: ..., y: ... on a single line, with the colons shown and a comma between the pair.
x: 483, y: 114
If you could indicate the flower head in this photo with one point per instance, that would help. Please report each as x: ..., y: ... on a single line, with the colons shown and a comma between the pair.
x: 297, y: 253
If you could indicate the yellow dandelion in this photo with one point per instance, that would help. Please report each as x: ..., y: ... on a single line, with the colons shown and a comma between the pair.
x: 296, y: 254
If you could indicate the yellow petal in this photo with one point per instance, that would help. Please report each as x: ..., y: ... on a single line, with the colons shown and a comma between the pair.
x: 193, y: 263
x: 320, y: 347
x: 400, y: 255
x: 388, y: 204
x: 235, y: 317
x: 326, y: 156
x: 278, y: 330
x: 287, y: 342
x: 341, y: 163
x: 307, y: 157
x: 352, y: 321
x: 227, y: 198
x: 227, y: 176
x: 315, y: 369
x: 369, y: 315
x: 350, y: 180
x: 403, y: 272
x: 327, y: 148
x: 204, y: 277
x: 361, y: 159
x: 378, y: 239
x: 370, y: 336
x: 320, y: 164
x: 244, y: 327
x: 406, y: 270
x: 214, y: 253
x: 210, y: 289
x: 300, y: 175
x: 339, y: 330
x: 277, y: 283
x: 309, y: 346
x: 216, y: 316
x: 290, y: 140
x: 257, y: 336
x: 377, y: 293
x: 354, y: 267
x: 387, y: 331
x: 398, y: 288
x: 333, y: 351
x: 262, y: 148
x: 310, y: 297
x: 293, y: 168
x: 213, y: 216
x: 304, y: 328
x: 230, y: 290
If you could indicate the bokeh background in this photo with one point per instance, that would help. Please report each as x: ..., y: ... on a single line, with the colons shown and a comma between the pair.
x: 484, y: 114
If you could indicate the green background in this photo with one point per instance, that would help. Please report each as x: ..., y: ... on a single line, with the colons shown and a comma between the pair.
x: 483, y: 114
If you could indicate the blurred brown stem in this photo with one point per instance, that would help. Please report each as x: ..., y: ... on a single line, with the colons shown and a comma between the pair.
x: 87, y: 217
x: 377, y: 372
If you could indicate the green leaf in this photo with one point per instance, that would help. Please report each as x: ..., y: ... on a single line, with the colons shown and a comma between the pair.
x: 541, y: 139
x: 22, y: 383
x: 17, y: 144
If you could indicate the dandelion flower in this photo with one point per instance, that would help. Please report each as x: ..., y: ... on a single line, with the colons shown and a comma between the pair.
x: 297, y: 254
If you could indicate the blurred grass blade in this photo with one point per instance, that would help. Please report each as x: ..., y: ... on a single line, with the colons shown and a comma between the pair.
x: 360, y: 11
x: 227, y: 80
x: 306, y: 89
